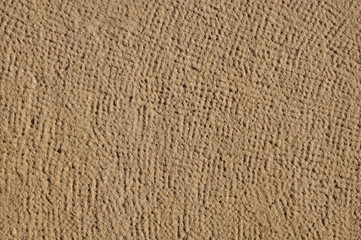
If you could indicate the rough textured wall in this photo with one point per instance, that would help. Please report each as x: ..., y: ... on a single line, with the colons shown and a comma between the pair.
x: 180, y: 119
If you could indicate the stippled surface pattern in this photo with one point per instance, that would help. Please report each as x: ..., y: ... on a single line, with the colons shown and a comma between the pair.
x: 180, y: 119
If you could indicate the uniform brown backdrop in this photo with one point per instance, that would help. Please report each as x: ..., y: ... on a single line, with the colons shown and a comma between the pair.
x: 180, y: 119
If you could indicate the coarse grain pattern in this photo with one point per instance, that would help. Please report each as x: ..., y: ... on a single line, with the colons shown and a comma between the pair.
x: 180, y: 119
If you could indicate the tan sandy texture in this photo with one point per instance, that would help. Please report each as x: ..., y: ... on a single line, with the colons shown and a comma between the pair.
x: 180, y: 119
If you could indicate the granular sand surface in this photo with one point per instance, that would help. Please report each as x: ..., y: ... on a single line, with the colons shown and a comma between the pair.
x: 180, y: 119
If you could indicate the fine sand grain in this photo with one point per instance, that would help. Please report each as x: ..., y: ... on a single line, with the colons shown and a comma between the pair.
x: 180, y: 119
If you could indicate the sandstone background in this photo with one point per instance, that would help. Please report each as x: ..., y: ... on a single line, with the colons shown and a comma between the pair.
x: 180, y: 119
